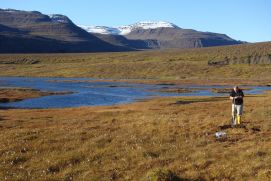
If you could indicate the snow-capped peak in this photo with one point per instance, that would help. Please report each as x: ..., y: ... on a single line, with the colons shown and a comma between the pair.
x: 101, y: 29
x: 152, y: 25
x: 124, y: 30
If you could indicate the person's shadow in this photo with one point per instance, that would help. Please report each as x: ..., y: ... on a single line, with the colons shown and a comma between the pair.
x: 228, y: 126
x: 223, y: 127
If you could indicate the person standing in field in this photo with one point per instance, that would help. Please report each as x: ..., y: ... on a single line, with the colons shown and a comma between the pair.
x: 237, y: 96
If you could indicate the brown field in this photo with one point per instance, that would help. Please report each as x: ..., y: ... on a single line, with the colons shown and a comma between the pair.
x: 249, y: 63
x: 11, y: 94
x: 126, y: 142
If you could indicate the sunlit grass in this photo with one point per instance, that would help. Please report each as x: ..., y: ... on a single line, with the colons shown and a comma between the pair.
x: 163, y: 136
x: 128, y: 142
x: 160, y: 64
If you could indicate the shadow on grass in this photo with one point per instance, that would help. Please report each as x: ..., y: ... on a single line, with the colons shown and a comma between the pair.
x: 7, y: 108
x: 197, y: 100
x: 184, y: 179
x: 2, y: 118
x: 229, y: 126
x: 166, y: 175
x: 175, y: 178
x: 224, y: 127
x: 256, y: 129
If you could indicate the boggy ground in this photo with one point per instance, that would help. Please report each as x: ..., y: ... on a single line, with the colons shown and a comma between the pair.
x: 126, y: 142
x: 12, y: 94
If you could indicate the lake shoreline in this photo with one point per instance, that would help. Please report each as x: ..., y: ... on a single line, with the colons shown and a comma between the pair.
x: 186, y: 81
x: 15, y: 94
x: 79, y: 92
x: 172, y: 132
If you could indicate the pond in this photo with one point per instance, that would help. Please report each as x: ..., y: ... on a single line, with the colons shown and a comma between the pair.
x: 89, y: 92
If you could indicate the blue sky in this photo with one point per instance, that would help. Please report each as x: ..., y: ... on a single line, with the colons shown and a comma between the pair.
x: 247, y: 20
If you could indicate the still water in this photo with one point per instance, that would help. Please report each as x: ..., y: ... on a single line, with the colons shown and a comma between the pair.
x: 87, y: 92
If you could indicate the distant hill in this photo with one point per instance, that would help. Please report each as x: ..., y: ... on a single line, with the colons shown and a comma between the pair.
x: 34, y: 32
x: 158, y: 35
x: 31, y: 31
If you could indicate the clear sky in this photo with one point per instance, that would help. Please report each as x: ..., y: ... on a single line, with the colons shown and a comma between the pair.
x: 247, y: 20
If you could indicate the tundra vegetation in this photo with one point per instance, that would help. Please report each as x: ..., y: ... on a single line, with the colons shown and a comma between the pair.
x: 170, y: 137
x: 166, y: 138
x: 251, y: 62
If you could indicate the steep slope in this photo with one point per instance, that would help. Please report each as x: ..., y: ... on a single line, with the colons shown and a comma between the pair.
x: 32, y: 31
x: 162, y: 34
x: 181, y: 38
x: 43, y: 33
x: 119, y: 40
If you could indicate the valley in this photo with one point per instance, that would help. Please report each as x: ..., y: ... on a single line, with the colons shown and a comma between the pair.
x: 168, y: 136
x: 131, y: 99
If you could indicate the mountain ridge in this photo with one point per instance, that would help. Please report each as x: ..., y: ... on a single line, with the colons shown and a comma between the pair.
x: 160, y: 35
x: 126, y: 29
x: 46, y: 33
x: 57, y: 33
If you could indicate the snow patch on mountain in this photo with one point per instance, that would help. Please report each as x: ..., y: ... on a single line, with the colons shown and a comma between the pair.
x: 59, y: 18
x: 9, y: 10
x: 101, y: 29
x: 124, y: 30
x: 151, y: 25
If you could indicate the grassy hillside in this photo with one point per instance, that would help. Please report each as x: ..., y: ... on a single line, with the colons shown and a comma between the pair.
x: 250, y: 61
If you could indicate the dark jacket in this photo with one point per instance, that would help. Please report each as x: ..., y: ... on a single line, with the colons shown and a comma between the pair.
x: 238, y: 101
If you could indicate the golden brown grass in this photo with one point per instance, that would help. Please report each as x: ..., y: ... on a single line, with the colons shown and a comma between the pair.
x: 11, y: 94
x: 162, y: 64
x: 125, y: 142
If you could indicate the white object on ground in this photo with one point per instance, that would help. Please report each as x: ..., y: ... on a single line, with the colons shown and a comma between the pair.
x: 220, y: 134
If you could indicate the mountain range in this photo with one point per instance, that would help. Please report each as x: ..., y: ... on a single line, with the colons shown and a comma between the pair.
x: 34, y: 32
